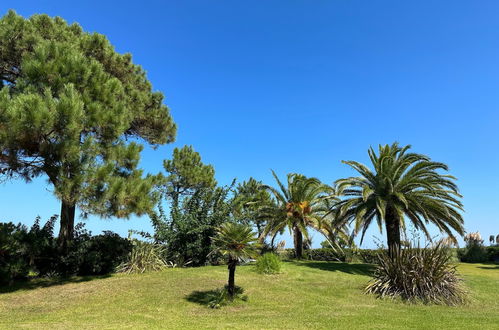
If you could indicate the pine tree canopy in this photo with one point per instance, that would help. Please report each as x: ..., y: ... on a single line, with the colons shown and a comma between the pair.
x: 75, y: 110
x: 187, y: 173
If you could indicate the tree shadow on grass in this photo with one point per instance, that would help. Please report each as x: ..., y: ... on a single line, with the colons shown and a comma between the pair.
x: 202, y: 297
x: 490, y: 266
x: 344, y: 267
x: 47, y: 282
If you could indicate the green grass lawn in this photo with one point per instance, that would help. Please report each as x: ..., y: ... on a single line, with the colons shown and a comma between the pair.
x: 305, y: 295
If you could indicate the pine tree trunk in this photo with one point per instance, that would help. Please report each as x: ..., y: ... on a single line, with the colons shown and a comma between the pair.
x: 298, y: 240
x: 67, y: 224
x: 175, y: 208
x: 231, y: 287
x: 392, y: 223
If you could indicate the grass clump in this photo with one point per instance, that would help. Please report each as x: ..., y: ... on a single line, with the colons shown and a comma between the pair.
x: 418, y: 274
x: 144, y: 257
x: 221, y: 297
x: 268, y: 264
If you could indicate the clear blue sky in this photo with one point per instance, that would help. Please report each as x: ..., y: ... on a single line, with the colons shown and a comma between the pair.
x: 298, y: 86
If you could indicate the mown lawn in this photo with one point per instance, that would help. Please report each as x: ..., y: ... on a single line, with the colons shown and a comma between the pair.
x: 305, y: 295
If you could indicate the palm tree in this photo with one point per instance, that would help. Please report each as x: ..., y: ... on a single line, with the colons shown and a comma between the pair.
x: 300, y: 204
x: 236, y: 242
x: 402, y: 185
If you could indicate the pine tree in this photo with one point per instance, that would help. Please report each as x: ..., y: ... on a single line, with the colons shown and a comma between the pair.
x: 76, y: 111
x: 186, y: 175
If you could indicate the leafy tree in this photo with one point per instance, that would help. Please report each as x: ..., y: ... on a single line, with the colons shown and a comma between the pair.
x: 237, y: 242
x: 186, y: 175
x: 74, y: 110
x: 299, y: 205
x: 402, y: 185
x: 250, y: 197
x: 189, y: 237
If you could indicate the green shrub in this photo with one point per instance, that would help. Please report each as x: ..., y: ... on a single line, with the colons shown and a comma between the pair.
x: 269, y: 263
x: 329, y: 254
x: 493, y: 253
x: 101, y: 254
x: 474, y: 252
x: 86, y: 255
x: 35, y: 250
x: 144, y: 257
x: 416, y: 274
x: 12, y: 264
x: 221, y: 297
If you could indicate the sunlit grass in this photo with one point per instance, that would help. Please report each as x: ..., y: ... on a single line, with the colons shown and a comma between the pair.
x: 303, y: 295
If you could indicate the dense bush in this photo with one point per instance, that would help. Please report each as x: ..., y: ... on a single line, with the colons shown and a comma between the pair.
x: 474, y: 252
x: 269, y: 263
x: 35, y: 250
x: 187, y: 233
x: 12, y: 264
x: 416, y: 274
x: 94, y: 255
x: 478, y: 253
x: 493, y: 253
x: 328, y: 254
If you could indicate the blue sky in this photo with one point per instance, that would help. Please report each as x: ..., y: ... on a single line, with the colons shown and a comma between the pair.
x: 298, y: 86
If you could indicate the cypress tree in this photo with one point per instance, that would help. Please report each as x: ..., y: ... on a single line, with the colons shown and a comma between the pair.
x: 76, y: 111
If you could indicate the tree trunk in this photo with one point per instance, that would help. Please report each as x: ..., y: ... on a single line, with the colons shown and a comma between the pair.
x: 392, y: 223
x: 231, y: 287
x: 174, y: 212
x: 272, y: 242
x: 298, y: 240
x: 67, y: 224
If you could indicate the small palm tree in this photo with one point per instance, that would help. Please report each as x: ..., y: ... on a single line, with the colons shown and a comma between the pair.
x: 299, y: 205
x: 402, y: 185
x: 236, y: 242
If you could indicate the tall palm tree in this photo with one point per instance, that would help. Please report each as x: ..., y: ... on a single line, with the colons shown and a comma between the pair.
x: 236, y: 242
x: 402, y: 185
x: 300, y: 204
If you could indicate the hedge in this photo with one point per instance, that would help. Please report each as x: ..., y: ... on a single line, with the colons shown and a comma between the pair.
x: 327, y: 254
x: 490, y: 254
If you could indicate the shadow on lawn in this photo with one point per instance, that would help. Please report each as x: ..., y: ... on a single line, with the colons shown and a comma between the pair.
x: 47, y: 282
x: 357, y: 269
x: 490, y: 266
x: 201, y: 297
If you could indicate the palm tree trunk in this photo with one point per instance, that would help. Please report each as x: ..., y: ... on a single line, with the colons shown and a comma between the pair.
x: 67, y: 224
x: 392, y: 223
x: 231, y: 287
x: 298, y: 240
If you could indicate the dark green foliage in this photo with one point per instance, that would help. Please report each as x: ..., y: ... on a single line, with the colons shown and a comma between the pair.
x: 13, y: 265
x: 493, y: 253
x: 197, y: 209
x: 76, y: 111
x: 268, y: 263
x: 93, y: 255
x: 189, y: 238
x: 35, y: 250
x: 250, y: 198
x: 474, y: 252
x: 418, y: 274
x: 329, y: 254
x: 186, y: 174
